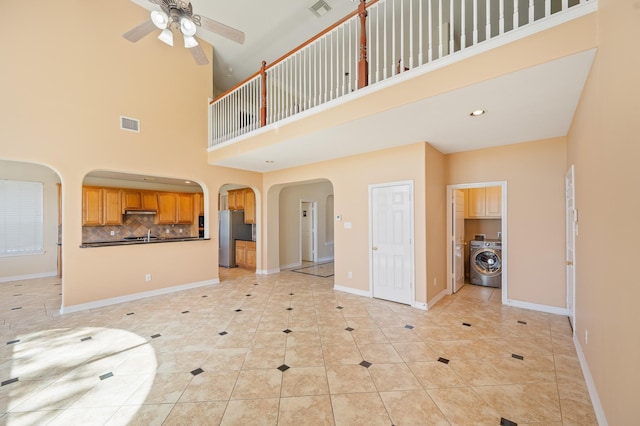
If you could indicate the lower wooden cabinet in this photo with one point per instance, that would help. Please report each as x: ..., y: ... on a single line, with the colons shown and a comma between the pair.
x: 246, y: 254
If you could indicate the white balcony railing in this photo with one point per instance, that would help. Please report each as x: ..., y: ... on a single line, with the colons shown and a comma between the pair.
x: 379, y: 41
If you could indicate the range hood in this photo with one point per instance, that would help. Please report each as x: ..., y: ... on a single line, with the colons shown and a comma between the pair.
x: 140, y: 211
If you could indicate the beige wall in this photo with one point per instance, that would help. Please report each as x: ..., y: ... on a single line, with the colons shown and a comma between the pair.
x: 60, y: 107
x: 436, y: 226
x: 351, y: 246
x: 289, y: 221
x: 603, y: 146
x: 38, y: 264
x: 534, y: 173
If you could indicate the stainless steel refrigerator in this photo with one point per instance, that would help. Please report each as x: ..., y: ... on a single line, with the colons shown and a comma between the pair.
x: 231, y: 227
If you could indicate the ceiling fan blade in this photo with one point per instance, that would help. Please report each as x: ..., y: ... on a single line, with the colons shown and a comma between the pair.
x: 139, y: 31
x: 222, y: 29
x: 198, y: 55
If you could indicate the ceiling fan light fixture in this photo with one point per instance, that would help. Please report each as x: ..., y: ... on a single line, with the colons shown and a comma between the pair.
x: 166, y: 36
x: 160, y: 19
x: 189, y: 42
x: 187, y: 27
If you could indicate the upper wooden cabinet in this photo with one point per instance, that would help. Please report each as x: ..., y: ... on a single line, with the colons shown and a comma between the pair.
x: 133, y: 199
x: 101, y: 206
x: 249, y: 206
x: 198, y: 203
x: 174, y: 208
x: 243, y: 199
x: 484, y: 202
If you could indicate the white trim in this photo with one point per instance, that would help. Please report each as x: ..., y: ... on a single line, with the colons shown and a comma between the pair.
x: 268, y: 271
x: 350, y: 290
x: 536, y: 307
x: 135, y: 296
x: 290, y: 266
x: 28, y: 277
x: 420, y: 305
x: 438, y: 298
x: 591, y: 386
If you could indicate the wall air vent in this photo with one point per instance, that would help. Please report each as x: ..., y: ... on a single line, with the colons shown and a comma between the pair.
x: 130, y: 124
x: 320, y: 8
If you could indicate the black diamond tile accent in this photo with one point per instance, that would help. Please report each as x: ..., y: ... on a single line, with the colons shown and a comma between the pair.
x: 290, y: 294
x: 248, y: 295
x: 106, y: 376
x: 197, y: 371
x: 365, y: 364
x: 283, y: 367
x: 505, y: 422
x: 16, y: 295
x: 13, y: 342
x: 286, y: 331
x: 522, y: 322
x: 410, y: 327
x: 516, y: 356
x: 131, y: 313
x: 205, y: 296
x: 289, y: 308
x: 155, y: 336
x: 224, y: 333
x: 185, y: 312
x: 84, y: 339
x: 443, y: 360
x: 349, y: 329
x: 466, y: 324
x: 8, y: 382
x: 339, y: 307
x: 15, y: 309
x: 238, y: 310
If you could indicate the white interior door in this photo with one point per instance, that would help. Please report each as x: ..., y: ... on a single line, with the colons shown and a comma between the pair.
x: 307, y: 237
x: 457, y: 240
x: 572, y: 230
x: 391, y: 231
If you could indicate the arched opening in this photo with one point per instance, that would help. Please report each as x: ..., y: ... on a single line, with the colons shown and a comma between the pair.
x: 238, y: 228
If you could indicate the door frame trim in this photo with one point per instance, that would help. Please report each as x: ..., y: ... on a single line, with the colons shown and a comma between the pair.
x: 410, y: 183
x: 505, y: 255
x: 314, y: 228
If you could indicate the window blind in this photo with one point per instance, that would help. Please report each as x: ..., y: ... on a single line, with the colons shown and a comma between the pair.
x: 21, y: 218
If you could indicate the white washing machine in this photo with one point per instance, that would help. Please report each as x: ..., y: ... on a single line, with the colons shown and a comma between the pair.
x: 485, y: 263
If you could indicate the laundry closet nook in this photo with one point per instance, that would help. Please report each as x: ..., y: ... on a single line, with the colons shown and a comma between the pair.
x: 483, y: 222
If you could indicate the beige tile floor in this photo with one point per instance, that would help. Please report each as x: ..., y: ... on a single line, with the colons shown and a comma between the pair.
x: 284, y: 349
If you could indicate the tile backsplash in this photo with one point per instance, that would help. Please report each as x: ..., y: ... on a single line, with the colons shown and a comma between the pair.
x: 134, y: 225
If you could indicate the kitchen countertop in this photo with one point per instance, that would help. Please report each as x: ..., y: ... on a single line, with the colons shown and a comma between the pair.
x: 138, y: 242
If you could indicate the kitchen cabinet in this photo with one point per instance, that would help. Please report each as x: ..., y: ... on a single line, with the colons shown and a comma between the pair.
x: 174, y: 208
x: 139, y: 200
x: 101, y: 206
x: 243, y: 199
x: 235, y: 199
x: 246, y: 254
x: 249, y: 206
x: 484, y: 202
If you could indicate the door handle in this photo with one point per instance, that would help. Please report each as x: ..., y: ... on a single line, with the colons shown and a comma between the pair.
x: 374, y: 248
x: 569, y: 263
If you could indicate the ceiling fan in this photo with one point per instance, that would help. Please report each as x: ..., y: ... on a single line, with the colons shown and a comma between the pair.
x: 178, y: 14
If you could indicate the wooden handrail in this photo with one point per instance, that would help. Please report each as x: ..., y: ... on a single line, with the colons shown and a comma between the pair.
x: 356, y: 12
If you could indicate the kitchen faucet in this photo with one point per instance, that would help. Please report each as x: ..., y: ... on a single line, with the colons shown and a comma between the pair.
x: 148, y: 235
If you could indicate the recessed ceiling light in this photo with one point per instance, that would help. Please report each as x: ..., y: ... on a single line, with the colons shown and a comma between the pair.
x: 187, y: 182
x: 477, y: 112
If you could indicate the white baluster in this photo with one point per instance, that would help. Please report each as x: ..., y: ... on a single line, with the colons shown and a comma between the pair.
x: 487, y: 30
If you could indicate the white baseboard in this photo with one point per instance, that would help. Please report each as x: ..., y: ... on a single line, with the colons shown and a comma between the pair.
x: 537, y: 307
x: 420, y: 305
x: 352, y: 290
x: 267, y: 271
x: 291, y: 266
x: 136, y: 296
x: 436, y: 299
x: 591, y: 386
x: 28, y: 277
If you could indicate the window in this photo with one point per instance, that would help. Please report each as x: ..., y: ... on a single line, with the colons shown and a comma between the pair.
x: 20, y: 218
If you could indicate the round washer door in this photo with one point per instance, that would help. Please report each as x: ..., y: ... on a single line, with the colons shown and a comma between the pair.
x: 487, y: 262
